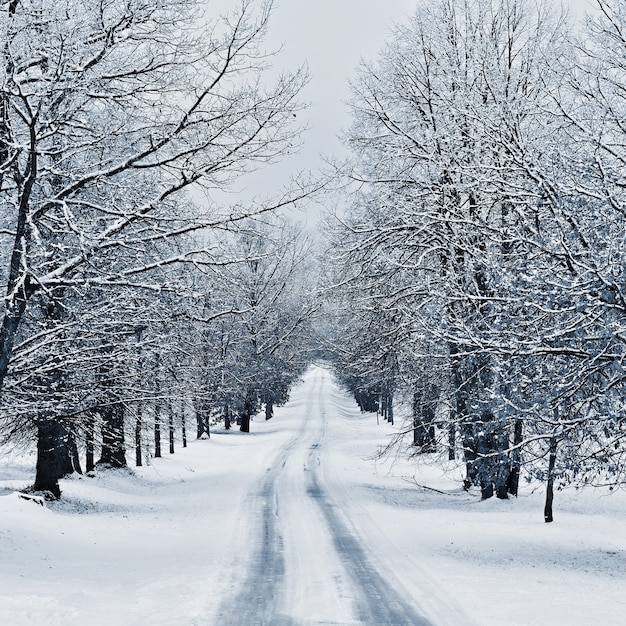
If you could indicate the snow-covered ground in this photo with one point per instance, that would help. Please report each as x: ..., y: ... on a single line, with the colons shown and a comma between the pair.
x: 295, y: 523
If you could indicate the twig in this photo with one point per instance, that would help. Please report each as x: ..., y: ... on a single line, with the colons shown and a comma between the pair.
x: 414, y: 482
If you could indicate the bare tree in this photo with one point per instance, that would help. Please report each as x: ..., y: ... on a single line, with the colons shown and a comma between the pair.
x: 468, y: 205
x: 113, y: 116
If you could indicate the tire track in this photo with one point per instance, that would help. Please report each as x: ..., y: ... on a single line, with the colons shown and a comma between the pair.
x: 257, y: 599
x: 379, y: 603
x: 255, y: 602
x: 260, y: 598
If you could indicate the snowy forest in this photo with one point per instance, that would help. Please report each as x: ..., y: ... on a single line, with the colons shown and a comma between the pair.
x: 481, y: 259
x: 135, y: 300
x: 472, y: 266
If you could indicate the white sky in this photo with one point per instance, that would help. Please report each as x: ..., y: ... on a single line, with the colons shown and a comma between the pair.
x: 331, y: 36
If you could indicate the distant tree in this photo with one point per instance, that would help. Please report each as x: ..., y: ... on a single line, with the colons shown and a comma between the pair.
x: 276, y: 307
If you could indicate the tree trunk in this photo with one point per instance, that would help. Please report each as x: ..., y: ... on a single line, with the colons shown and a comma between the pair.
x: 57, y: 456
x: 547, y: 511
x: 358, y: 396
x: 245, y: 423
x: 470, y: 455
x: 269, y: 410
x: 113, y: 446
x: 206, y: 416
x: 89, y: 444
x: 418, y: 435
x: 390, y: 408
x: 199, y: 424
x: 202, y: 419
x: 451, y: 441
x: 70, y: 460
x: 424, y: 410
x: 461, y: 416
x: 516, y: 458
x: 171, y: 428
x: 138, y: 425
x: 503, y: 463
x: 183, y: 426
x: 48, y: 469
x: 502, y: 475
x: 246, y: 414
x: 227, y: 417
x: 19, y: 289
x: 484, y: 461
x: 157, y: 431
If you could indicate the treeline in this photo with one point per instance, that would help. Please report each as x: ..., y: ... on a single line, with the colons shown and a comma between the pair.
x: 479, y: 268
x: 140, y: 299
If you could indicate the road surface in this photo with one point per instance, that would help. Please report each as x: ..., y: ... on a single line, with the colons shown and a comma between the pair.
x: 308, y: 563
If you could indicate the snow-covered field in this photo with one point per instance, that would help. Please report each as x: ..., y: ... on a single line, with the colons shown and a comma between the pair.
x: 266, y: 528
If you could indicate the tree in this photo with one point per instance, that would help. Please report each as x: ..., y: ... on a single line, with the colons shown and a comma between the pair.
x: 110, y: 112
x: 266, y: 349
x: 465, y: 206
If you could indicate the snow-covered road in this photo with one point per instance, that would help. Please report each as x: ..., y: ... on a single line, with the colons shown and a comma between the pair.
x: 295, y: 523
x: 308, y: 564
x: 241, y: 529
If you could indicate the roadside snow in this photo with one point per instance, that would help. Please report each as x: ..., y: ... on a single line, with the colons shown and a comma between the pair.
x: 169, y: 543
x: 498, y: 560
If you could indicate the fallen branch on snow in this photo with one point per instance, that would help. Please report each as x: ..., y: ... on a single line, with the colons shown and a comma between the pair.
x: 414, y: 482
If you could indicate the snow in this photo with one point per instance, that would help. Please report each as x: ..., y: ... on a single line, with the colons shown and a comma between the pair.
x: 271, y: 523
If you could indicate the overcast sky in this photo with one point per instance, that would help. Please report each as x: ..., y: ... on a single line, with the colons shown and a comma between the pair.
x: 331, y: 36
